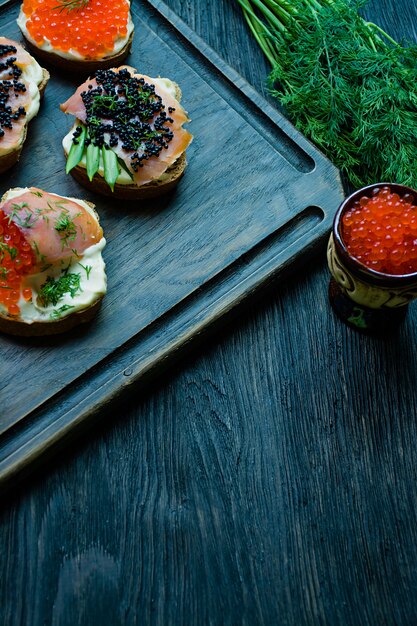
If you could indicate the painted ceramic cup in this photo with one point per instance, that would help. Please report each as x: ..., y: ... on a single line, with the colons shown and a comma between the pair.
x: 363, y: 297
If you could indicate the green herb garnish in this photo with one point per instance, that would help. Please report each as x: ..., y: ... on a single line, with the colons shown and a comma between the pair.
x: 76, y: 151
x: 26, y: 221
x: 92, y: 160
x: 124, y: 167
x: 70, y: 5
x: 111, y: 166
x: 5, y: 248
x: 345, y: 84
x: 87, y: 269
x: 35, y: 245
x: 57, y: 313
x: 66, y: 228
x: 53, y: 290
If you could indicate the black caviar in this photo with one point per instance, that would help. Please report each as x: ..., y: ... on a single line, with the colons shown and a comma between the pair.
x: 125, y: 109
x: 9, y: 86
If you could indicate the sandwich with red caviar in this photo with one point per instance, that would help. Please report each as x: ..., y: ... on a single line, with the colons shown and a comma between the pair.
x: 22, y: 83
x: 128, y: 138
x: 78, y: 35
x: 52, y: 274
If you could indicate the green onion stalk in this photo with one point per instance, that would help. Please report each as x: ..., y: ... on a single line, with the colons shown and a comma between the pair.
x: 112, y: 163
x: 344, y: 83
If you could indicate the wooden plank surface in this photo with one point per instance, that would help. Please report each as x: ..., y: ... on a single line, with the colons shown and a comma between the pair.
x: 166, y: 261
x: 270, y: 481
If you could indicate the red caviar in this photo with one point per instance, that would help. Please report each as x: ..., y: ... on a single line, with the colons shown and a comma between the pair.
x: 90, y: 30
x: 16, y: 260
x: 381, y: 232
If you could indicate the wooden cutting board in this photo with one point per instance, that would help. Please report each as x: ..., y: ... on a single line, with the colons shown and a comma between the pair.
x: 256, y: 197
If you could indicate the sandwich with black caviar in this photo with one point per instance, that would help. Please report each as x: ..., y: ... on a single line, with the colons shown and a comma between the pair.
x: 52, y: 274
x: 22, y: 83
x: 128, y: 139
x: 77, y: 35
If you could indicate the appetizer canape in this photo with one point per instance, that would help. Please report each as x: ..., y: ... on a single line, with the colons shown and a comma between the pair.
x: 22, y: 83
x: 52, y: 275
x: 128, y: 138
x: 78, y: 35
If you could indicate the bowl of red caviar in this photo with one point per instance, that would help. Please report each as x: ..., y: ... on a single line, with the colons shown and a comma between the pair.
x: 372, y: 255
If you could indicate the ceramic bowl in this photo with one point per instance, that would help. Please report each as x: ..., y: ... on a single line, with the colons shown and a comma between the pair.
x: 360, y: 295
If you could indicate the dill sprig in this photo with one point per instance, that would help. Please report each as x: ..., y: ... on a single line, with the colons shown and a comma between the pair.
x: 66, y: 227
x: 344, y: 83
x: 53, y: 290
x: 12, y: 252
x: 70, y: 5
x: 57, y: 313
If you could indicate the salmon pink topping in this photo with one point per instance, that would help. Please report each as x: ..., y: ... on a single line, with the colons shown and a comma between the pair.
x: 381, y: 232
x: 16, y: 260
x: 55, y: 228
x: 90, y: 28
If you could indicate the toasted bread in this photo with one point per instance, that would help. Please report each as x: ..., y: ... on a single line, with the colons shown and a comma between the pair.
x: 133, y: 192
x: 15, y: 325
x: 81, y: 66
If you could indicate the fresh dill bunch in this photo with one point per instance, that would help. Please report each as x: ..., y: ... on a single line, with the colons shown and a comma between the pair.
x: 344, y: 83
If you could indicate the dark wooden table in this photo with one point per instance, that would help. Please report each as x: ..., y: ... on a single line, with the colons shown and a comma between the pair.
x: 270, y: 479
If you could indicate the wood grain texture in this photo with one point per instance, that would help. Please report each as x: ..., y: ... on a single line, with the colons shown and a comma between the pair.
x: 270, y: 481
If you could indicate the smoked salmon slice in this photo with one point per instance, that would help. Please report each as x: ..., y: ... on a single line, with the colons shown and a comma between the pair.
x: 56, y: 228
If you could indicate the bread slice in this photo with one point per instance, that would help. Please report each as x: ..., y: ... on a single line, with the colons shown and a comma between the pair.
x: 133, y: 192
x: 14, y: 326
x: 82, y: 66
x: 10, y: 158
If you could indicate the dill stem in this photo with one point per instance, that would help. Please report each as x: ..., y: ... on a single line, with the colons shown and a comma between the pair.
x: 270, y: 16
x: 373, y: 27
x: 261, y: 33
x: 260, y: 38
x: 280, y: 10
x: 248, y: 10
x: 282, y: 18
x: 315, y: 5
